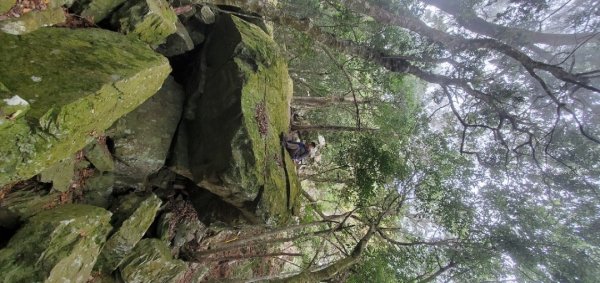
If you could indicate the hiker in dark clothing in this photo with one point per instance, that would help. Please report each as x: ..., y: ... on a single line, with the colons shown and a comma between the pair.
x: 299, y: 150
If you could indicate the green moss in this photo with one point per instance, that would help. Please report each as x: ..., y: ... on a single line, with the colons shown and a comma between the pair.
x: 77, y: 82
x: 5, y: 5
x: 58, y: 245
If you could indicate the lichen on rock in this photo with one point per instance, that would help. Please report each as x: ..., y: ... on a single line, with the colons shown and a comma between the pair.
x: 76, y: 87
x: 58, y: 245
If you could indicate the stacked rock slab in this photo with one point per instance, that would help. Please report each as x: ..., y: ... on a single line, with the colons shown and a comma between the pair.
x: 76, y: 88
x: 58, y: 245
x: 131, y: 219
x: 239, y: 110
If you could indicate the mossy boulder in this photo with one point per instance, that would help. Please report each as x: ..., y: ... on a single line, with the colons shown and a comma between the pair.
x: 98, y: 188
x: 233, y: 127
x: 96, y: 10
x: 27, y: 199
x: 32, y: 21
x: 77, y: 82
x: 152, y: 21
x: 99, y: 155
x: 131, y: 219
x: 58, y: 245
x: 143, y: 137
x: 151, y: 261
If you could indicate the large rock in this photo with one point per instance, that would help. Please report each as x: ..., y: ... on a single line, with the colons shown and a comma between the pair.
x: 96, y: 10
x: 151, y: 262
x: 59, y: 245
x: 235, y: 116
x: 149, y: 20
x: 77, y: 83
x: 33, y: 20
x: 131, y: 219
x: 143, y: 137
x: 25, y: 200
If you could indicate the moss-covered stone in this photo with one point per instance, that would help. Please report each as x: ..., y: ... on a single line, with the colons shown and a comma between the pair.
x: 5, y: 5
x: 58, y: 245
x: 143, y: 137
x: 99, y: 155
x: 177, y: 43
x: 77, y: 82
x: 32, y: 21
x: 60, y: 174
x: 97, y: 189
x: 131, y: 219
x: 149, y: 20
x: 28, y: 199
x: 149, y: 262
x: 233, y: 135
x: 96, y: 10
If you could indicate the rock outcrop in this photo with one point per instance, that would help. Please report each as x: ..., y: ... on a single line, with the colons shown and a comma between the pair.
x: 58, y: 245
x: 76, y: 88
x: 234, y: 118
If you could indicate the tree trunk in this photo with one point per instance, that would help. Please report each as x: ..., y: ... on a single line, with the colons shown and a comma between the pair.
x: 332, y: 269
x: 330, y: 128
x: 467, y: 18
x: 321, y: 102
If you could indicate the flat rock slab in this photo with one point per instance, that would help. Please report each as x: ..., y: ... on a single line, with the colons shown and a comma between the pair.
x: 131, y: 218
x: 58, y: 245
x: 77, y: 83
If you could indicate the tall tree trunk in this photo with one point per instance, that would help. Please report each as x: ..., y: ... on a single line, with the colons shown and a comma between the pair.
x: 467, y: 18
x: 320, y: 102
x: 330, y: 128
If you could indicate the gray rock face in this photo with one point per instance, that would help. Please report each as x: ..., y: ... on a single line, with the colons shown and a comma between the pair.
x: 143, y: 137
x: 131, y: 218
x: 149, y: 262
x: 58, y: 245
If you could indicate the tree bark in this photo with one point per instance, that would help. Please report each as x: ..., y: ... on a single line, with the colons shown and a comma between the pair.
x: 466, y: 17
